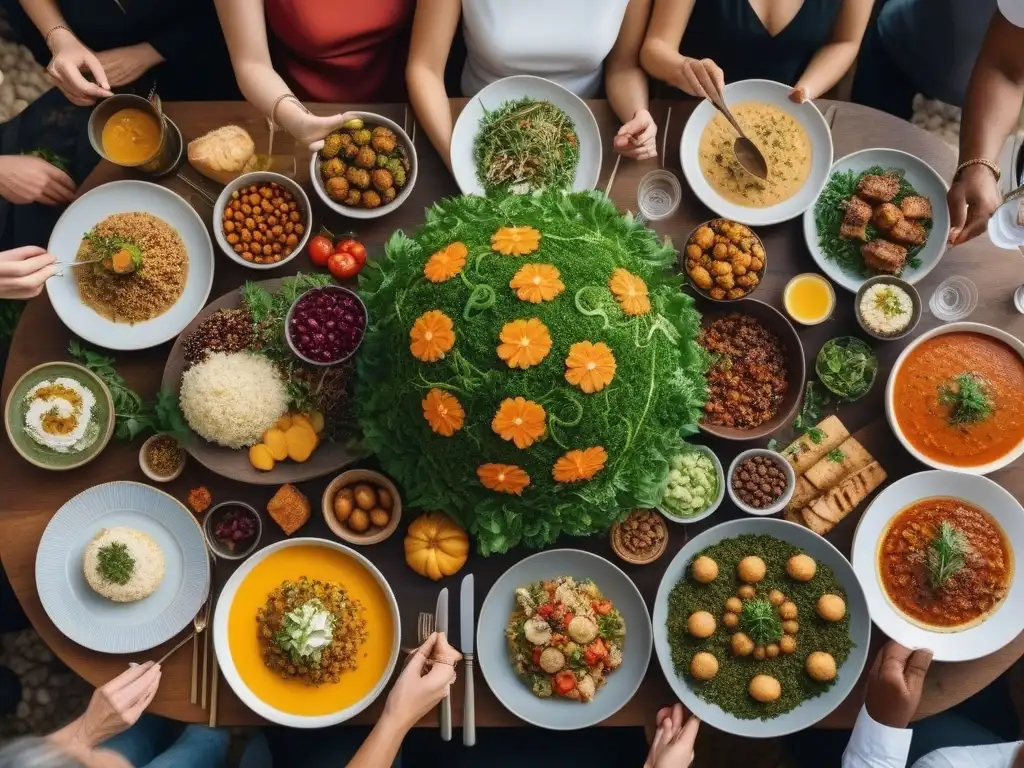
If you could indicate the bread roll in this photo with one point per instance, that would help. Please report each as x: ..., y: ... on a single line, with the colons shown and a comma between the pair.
x: 223, y: 154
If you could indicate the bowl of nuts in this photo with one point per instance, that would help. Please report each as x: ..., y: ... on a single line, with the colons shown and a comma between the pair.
x: 362, y: 506
x: 723, y: 260
x: 761, y: 482
x: 641, y: 538
x: 262, y: 220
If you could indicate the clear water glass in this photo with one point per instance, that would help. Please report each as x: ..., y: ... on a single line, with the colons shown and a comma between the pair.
x: 954, y: 300
x: 658, y: 195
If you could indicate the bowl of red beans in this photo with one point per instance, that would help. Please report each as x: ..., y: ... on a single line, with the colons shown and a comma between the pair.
x: 325, y: 326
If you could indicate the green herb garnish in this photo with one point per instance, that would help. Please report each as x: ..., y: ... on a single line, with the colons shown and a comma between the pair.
x: 888, y: 303
x: 116, y: 564
x: 106, y: 246
x: 847, y: 367
x: 946, y: 554
x: 760, y: 622
x: 968, y: 399
x: 836, y: 456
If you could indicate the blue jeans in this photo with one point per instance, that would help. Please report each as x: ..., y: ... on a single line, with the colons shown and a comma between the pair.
x: 156, y: 742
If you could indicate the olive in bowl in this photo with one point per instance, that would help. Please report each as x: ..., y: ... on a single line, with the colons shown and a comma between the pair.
x: 325, y: 326
x: 362, y: 506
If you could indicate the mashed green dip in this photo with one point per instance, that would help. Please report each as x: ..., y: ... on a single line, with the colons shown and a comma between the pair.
x: 692, y: 484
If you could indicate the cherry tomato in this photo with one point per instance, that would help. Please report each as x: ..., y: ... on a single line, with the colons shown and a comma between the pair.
x: 564, y: 682
x: 343, y: 266
x: 569, y: 616
x: 535, y: 657
x: 354, y: 247
x: 319, y: 250
x: 545, y: 610
x: 601, y: 607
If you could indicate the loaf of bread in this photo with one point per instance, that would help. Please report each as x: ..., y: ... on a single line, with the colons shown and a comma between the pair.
x: 223, y: 154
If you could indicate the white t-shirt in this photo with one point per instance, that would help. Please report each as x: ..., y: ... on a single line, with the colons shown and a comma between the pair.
x: 565, y: 41
x: 1013, y: 10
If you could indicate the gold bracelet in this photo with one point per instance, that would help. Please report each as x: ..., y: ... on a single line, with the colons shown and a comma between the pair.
x: 46, y: 37
x: 277, y: 103
x: 978, y: 161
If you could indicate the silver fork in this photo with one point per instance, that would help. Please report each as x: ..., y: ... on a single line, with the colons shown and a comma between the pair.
x: 425, y: 627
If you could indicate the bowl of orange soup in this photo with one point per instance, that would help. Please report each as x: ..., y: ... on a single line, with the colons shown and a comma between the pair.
x: 953, y: 398
x: 307, y: 633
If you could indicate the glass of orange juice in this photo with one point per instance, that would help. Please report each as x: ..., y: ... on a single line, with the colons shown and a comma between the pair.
x: 809, y: 298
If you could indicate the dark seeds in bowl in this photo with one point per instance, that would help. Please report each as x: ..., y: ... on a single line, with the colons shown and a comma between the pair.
x: 759, y: 482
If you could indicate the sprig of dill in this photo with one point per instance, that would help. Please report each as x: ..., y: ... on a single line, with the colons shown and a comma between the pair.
x: 967, y: 398
x: 946, y: 554
x: 760, y: 622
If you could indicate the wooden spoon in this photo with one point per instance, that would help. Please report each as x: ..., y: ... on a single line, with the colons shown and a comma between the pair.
x: 747, y: 153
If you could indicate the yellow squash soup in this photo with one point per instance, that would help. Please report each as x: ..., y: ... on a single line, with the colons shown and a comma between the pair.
x: 781, y: 139
x: 294, y: 696
x: 131, y: 137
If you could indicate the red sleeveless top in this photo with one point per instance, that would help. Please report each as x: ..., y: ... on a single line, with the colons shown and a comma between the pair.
x: 341, y: 51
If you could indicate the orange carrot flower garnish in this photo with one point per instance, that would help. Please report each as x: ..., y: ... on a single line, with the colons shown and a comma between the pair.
x: 515, y: 241
x: 524, y: 343
x: 503, y: 478
x: 446, y: 263
x: 519, y: 420
x: 536, y: 283
x: 432, y: 335
x: 589, y: 366
x: 630, y: 291
x: 443, y: 412
x: 575, y: 466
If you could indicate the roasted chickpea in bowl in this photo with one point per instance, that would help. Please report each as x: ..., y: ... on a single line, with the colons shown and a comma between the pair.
x: 262, y: 220
x: 723, y: 260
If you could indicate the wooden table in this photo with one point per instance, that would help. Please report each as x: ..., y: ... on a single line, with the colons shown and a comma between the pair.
x: 31, y: 495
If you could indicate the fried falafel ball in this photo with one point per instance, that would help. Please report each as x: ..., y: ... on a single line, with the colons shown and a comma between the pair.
x: 382, y: 130
x: 366, y: 158
x: 381, y: 179
x: 350, y: 150
x: 333, y: 167
x: 353, y: 198
x: 358, y: 177
x: 332, y: 146
x: 383, y: 143
x: 388, y: 195
x: 337, y: 188
x: 362, y: 137
x: 371, y: 199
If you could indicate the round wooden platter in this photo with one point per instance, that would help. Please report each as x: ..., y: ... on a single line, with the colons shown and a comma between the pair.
x: 234, y: 464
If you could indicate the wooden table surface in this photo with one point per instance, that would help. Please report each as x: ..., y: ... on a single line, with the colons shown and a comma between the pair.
x: 31, y: 495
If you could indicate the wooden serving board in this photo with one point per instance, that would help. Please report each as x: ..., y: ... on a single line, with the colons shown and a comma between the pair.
x: 234, y: 464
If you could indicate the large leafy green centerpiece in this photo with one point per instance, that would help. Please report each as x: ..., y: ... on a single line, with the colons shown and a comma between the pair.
x: 530, y: 365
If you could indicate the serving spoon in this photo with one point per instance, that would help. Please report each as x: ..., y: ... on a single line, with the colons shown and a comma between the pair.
x: 746, y: 151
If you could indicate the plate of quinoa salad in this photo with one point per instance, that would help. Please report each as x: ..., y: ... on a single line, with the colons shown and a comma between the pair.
x: 151, y: 265
x: 761, y: 627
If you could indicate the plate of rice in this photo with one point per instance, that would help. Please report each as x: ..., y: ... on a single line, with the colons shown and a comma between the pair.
x: 122, y: 567
x: 151, y: 270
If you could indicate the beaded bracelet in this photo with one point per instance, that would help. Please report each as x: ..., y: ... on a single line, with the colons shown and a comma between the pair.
x: 978, y: 161
x: 46, y: 37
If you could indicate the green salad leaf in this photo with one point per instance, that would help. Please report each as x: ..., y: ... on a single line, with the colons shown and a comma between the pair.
x: 847, y: 367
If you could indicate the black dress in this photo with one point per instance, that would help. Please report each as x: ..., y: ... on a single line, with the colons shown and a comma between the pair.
x: 730, y: 33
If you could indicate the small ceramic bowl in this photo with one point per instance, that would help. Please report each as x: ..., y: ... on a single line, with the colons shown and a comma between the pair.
x: 220, y: 550
x: 615, y: 534
x: 291, y: 312
x: 147, y: 470
x: 705, y: 293
x: 351, y: 478
x: 716, y: 502
x: 787, y: 494
x: 915, y: 312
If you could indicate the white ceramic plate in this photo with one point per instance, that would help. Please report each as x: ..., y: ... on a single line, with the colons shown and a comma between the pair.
x: 810, y: 711
x: 777, y: 95
x: 127, y: 197
x: 100, y: 624
x: 517, y: 87
x: 924, y: 179
x: 1000, y: 627
x: 492, y: 648
x: 230, y: 670
x: 890, y: 396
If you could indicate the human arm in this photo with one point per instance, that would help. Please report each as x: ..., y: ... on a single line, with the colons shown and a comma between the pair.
x: 626, y: 86
x: 433, y: 29
x: 426, y: 680
x: 834, y: 59
x: 70, y: 55
x: 990, y: 113
x: 660, y: 54
x: 245, y: 32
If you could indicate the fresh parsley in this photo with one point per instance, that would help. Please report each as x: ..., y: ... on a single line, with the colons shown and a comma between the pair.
x: 836, y: 456
x: 946, y: 554
x: 116, y: 564
x: 968, y: 399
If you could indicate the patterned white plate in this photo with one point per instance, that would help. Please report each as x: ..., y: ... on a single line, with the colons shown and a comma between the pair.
x: 100, y: 624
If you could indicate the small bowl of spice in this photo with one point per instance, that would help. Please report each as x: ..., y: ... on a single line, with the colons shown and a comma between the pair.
x: 761, y: 482
x: 887, y: 308
x: 162, y: 459
x: 233, y: 530
x: 641, y: 538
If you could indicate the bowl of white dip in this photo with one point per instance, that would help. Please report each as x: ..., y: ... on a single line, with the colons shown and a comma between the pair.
x: 59, y: 416
x: 887, y: 307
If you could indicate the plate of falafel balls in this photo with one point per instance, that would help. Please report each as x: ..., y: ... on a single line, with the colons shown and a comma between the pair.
x: 366, y: 169
x: 761, y: 627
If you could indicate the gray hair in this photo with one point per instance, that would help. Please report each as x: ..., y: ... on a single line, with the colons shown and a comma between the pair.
x: 35, y: 752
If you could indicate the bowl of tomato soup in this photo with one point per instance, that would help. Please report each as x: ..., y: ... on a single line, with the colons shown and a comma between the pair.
x: 953, y: 398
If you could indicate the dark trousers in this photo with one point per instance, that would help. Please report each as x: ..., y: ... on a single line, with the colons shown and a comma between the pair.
x: 879, y: 82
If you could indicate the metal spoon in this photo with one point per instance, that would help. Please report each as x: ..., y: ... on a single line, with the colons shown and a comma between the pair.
x: 747, y: 153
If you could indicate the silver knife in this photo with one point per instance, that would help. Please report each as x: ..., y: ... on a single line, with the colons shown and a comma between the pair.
x: 466, y: 614
x: 441, y: 625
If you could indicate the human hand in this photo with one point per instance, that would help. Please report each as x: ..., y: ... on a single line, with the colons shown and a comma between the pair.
x: 70, y: 57
x: 119, y: 704
x: 895, y: 683
x: 24, y: 271
x: 416, y: 693
x: 972, y: 200
x: 696, y: 75
x: 27, y: 179
x: 127, y: 64
x: 798, y: 95
x: 672, y: 746
x: 307, y: 128
x: 636, y: 139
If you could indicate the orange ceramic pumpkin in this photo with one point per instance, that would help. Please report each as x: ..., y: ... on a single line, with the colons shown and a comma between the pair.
x: 435, y: 546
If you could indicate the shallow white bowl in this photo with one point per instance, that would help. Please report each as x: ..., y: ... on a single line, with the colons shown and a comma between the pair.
x: 261, y: 177
x: 776, y: 94
x: 517, y: 87
x: 127, y: 197
x: 890, y: 394
x: 999, y: 628
x: 715, y: 504
x: 787, y: 494
x: 924, y: 179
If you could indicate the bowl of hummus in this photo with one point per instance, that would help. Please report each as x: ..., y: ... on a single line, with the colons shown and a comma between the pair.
x: 59, y: 416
